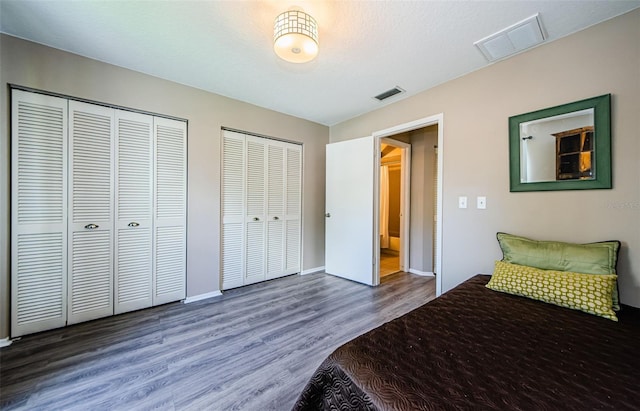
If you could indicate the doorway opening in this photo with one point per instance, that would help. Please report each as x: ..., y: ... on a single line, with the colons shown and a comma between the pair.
x: 352, y: 209
x: 420, y: 242
x: 391, y: 205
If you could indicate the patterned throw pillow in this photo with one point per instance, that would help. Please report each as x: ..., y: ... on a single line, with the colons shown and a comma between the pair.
x: 591, y: 258
x: 590, y: 293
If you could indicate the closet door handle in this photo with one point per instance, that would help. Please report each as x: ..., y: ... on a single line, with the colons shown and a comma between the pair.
x: 256, y: 219
x: 276, y: 218
x: 133, y: 224
x: 91, y: 226
x: 328, y: 215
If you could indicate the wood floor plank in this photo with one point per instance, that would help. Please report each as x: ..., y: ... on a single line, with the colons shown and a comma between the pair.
x: 254, y: 348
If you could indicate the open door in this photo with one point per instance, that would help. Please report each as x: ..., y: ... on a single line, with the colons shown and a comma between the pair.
x: 349, y: 227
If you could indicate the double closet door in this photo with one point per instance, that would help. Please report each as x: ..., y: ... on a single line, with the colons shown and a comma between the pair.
x: 261, y: 209
x: 98, y: 211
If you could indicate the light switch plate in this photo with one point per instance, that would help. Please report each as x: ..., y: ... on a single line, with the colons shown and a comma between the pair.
x: 462, y: 202
x: 482, y: 203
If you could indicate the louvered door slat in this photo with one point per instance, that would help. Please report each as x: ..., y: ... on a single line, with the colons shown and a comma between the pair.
x: 91, y: 276
x: 38, y: 220
x: 275, y: 180
x: 275, y: 248
x: 170, y: 264
x: 232, y: 251
x: 255, y: 258
x: 294, y: 180
x: 91, y: 140
x: 233, y: 175
x: 170, y: 171
x: 292, y: 247
x: 134, y: 214
x: 40, y: 285
x: 255, y: 178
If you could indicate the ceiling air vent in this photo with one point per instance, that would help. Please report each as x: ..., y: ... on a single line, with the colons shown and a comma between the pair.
x: 522, y: 35
x: 389, y: 93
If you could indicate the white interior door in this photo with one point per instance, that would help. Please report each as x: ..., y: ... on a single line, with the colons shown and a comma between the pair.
x: 349, y: 247
x: 170, y: 208
x: 256, y: 216
x: 233, y: 209
x: 275, y: 208
x: 38, y: 212
x: 134, y: 211
x: 293, y: 211
x: 91, y: 142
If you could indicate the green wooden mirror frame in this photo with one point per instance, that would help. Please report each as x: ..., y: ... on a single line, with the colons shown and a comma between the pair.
x: 602, y: 149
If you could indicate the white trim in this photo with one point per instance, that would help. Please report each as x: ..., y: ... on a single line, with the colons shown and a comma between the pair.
x: 413, y: 125
x: 410, y: 126
x: 312, y: 270
x: 200, y: 297
x: 422, y: 273
x: 5, y: 342
x: 302, y: 224
x: 439, y: 119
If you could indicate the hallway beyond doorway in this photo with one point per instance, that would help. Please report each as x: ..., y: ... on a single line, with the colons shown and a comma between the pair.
x: 389, y: 262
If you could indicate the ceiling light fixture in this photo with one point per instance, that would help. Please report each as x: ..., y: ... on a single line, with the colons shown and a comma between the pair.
x: 295, y: 36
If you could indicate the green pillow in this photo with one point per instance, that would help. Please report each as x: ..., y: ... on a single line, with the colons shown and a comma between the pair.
x: 592, y: 258
x: 588, y: 293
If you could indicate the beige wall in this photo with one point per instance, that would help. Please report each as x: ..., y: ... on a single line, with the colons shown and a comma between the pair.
x: 602, y: 59
x: 32, y: 65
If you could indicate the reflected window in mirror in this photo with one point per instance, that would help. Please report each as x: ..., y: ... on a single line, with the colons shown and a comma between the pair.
x: 557, y: 148
x: 562, y: 148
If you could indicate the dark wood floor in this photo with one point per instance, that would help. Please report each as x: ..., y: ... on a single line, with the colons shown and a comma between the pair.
x: 254, y: 348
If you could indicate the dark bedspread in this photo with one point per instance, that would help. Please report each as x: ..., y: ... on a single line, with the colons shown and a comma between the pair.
x: 474, y: 348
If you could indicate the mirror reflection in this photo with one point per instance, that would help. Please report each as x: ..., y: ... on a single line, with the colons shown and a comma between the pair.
x: 558, y: 148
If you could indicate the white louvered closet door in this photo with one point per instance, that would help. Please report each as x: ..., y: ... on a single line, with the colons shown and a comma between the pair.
x: 275, y: 208
x: 134, y: 211
x: 233, y: 210
x: 293, y: 211
x: 261, y: 211
x: 170, y: 222
x: 255, y: 217
x: 39, y: 218
x: 91, y: 219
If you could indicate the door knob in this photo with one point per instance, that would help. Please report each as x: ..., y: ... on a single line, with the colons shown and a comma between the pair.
x: 91, y: 226
x: 256, y: 219
x: 276, y: 218
x: 133, y: 224
x: 327, y: 215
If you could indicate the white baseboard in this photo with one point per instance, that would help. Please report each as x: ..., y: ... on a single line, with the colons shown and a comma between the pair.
x: 5, y: 342
x: 200, y: 297
x: 422, y: 273
x: 312, y: 270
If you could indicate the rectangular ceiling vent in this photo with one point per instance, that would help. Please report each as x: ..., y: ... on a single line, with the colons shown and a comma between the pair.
x: 514, y: 39
x: 389, y: 93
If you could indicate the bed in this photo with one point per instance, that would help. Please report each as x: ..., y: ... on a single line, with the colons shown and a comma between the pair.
x: 476, y: 348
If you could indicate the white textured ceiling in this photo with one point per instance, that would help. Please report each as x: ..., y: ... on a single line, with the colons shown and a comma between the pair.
x: 225, y: 47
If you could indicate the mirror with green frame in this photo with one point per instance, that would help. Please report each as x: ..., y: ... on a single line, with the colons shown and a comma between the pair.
x: 566, y: 147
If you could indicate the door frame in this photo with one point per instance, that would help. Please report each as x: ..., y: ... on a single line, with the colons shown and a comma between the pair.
x: 436, y: 119
x: 405, y: 190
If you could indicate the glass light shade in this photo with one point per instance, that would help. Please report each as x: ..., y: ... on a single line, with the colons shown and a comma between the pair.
x: 295, y: 36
